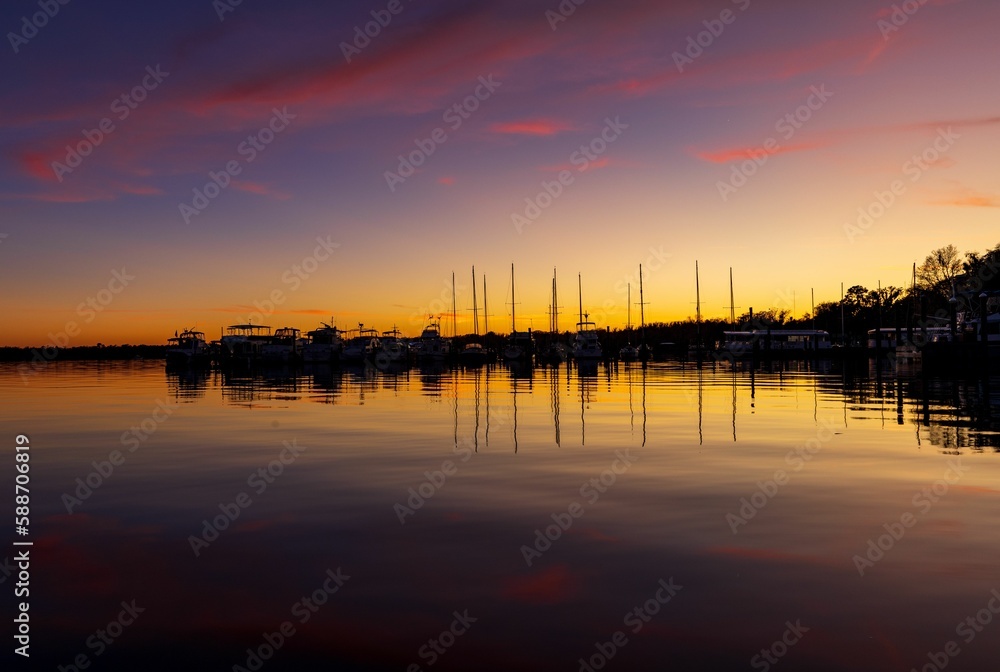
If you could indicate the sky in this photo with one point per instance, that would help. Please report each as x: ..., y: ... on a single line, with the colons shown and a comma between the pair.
x: 197, y: 164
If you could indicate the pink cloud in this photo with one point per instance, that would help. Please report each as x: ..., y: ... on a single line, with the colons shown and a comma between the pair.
x: 742, y: 153
x: 532, y: 127
x: 596, y: 164
x: 965, y: 197
x: 260, y: 189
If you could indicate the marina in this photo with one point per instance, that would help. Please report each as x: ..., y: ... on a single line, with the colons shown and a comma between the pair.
x: 964, y: 339
x: 295, y: 378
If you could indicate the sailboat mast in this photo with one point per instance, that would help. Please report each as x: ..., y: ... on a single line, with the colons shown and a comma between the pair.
x: 642, y: 307
x: 732, y: 302
x: 555, y: 303
x: 454, y: 308
x: 579, y: 279
x: 628, y: 301
x: 843, y: 330
x: 486, y: 313
x: 697, y: 294
x: 475, y: 305
x: 513, y: 301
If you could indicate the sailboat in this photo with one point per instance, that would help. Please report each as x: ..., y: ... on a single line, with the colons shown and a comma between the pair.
x: 645, y: 352
x: 520, y: 344
x: 557, y: 351
x: 629, y: 353
x: 696, y: 348
x: 586, y: 345
x: 474, y: 354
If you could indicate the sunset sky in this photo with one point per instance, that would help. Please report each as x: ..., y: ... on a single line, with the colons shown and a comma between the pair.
x: 840, y: 103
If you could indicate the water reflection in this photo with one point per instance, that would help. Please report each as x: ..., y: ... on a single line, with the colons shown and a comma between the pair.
x: 949, y: 414
x: 702, y: 439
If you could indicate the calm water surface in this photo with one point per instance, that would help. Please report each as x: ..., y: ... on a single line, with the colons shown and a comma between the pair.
x: 752, y: 495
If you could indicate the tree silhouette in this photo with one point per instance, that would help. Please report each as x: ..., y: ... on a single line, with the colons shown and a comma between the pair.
x: 940, y: 269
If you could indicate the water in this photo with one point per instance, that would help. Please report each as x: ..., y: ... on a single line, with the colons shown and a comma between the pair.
x: 805, y: 466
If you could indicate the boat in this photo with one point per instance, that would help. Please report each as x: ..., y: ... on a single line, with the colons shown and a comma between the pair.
x: 323, y: 345
x: 520, y: 344
x: 557, y: 352
x: 629, y: 353
x: 586, y: 344
x: 433, y: 346
x: 696, y: 348
x: 392, y: 348
x: 284, y: 346
x: 971, y: 322
x: 737, y: 343
x: 645, y: 352
x: 188, y: 348
x: 360, y: 348
x: 242, y: 343
x: 473, y: 354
